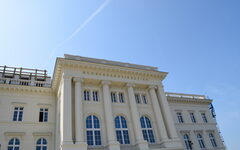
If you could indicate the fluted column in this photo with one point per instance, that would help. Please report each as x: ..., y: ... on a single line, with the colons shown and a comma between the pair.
x: 66, y: 108
x: 159, y: 118
x: 111, y: 138
x: 79, y: 113
x: 166, y: 112
x: 142, y: 144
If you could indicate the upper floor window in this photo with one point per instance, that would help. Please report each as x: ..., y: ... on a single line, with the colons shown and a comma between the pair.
x: 18, y: 114
x: 122, y: 130
x: 43, y: 115
x: 41, y: 144
x: 93, y: 130
x: 117, y: 97
x: 95, y: 95
x: 121, y: 97
x: 204, y: 117
x: 187, y: 142
x: 180, y: 117
x: 144, y: 99
x: 137, y: 98
x: 14, y: 144
x: 212, y: 139
x: 200, y: 141
x: 192, y: 116
x: 147, y: 130
x: 86, y: 95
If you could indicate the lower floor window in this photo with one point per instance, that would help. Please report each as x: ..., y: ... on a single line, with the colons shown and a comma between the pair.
x: 148, y: 136
x: 122, y: 136
x: 41, y: 144
x: 93, y: 138
x: 14, y: 144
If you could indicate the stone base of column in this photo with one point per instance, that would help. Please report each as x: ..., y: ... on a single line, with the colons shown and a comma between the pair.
x: 174, y: 144
x: 76, y: 146
x: 114, y: 145
x: 142, y: 145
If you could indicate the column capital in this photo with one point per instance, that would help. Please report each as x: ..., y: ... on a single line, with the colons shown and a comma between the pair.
x: 130, y: 85
x: 78, y: 79
x: 105, y: 82
x: 66, y: 77
x: 160, y: 86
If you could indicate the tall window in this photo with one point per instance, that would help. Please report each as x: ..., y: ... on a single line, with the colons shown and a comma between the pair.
x: 144, y: 99
x: 187, y: 142
x: 137, y: 98
x: 41, y: 144
x: 86, y: 95
x: 18, y: 114
x: 95, y: 95
x: 121, y: 97
x: 14, y: 144
x: 192, y: 117
x: 147, y: 130
x: 200, y: 141
x: 212, y: 139
x: 113, y: 97
x: 93, y: 130
x: 43, y: 115
x: 122, y: 130
x: 180, y: 117
x: 204, y: 117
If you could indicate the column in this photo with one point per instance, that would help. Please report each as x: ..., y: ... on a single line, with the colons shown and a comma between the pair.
x: 66, y: 114
x: 113, y: 144
x: 159, y: 118
x: 79, y: 114
x: 167, y: 114
x: 141, y: 143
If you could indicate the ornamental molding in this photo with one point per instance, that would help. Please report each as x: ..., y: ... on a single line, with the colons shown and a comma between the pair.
x: 188, y: 100
x: 104, y: 70
x: 22, y: 89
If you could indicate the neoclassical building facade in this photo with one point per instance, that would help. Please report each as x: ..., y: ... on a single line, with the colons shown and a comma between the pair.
x: 95, y: 104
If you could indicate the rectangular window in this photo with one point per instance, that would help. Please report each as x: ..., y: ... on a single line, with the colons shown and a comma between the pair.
x: 86, y: 95
x: 180, y: 118
x: 95, y: 95
x: 18, y: 114
x: 204, y: 117
x: 121, y: 97
x: 144, y: 99
x: 137, y: 98
x: 43, y: 115
x: 113, y: 97
x: 192, y: 117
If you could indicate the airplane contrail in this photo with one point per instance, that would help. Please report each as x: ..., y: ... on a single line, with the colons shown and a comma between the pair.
x: 81, y: 26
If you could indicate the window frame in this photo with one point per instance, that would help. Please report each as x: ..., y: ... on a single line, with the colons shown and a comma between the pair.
x: 18, y: 113
x: 14, y: 146
x: 192, y: 117
x: 180, y: 117
x: 93, y: 130
x: 204, y: 117
x: 212, y: 140
x: 41, y: 145
x: 201, y: 141
x: 125, y: 140
x: 147, y: 129
x: 45, y: 112
x: 187, y: 141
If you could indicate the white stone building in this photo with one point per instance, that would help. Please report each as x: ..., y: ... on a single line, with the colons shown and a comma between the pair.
x: 94, y: 104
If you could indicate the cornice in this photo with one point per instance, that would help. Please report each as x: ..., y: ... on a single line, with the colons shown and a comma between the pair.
x: 107, y: 70
x: 188, y: 100
x: 22, y: 88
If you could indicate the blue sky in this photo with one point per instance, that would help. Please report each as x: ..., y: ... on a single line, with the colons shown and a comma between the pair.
x: 196, y: 41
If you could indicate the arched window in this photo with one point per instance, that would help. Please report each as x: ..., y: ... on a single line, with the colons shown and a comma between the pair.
x: 93, y: 130
x: 212, y: 139
x: 188, y: 143
x: 122, y: 130
x: 41, y: 144
x: 14, y: 144
x: 200, y: 141
x: 147, y: 130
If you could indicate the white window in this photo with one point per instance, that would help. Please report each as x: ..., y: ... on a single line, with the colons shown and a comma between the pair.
x: 144, y: 99
x: 41, y: 144
x: 212, y: 139
x: 114, y: 97
x: 200, y: 141
x: 43, y: 115
x: 204, y: 117
x: 187, y: 142
x: 180, y: 117
x: 14, y: 144
x: 86, y: 95
x: 137, y: 98
x: 121, y: 97
x: 18, y: 114
x: 192, y: 117
x: 95, y: 95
